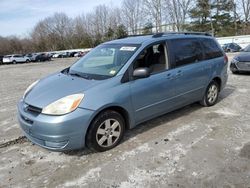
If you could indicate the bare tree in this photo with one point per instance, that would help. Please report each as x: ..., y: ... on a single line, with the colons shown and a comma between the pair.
x: 132, y: 15
x: 154, y: 8
x: 178, y: 12
x: 53, y: 32
x: 246, y: 9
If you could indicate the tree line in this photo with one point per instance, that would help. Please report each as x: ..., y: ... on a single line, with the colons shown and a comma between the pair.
x: 103, y: 23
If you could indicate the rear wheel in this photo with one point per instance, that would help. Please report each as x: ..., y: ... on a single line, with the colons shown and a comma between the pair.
x: 211, y: 95
x: 106, y: 131
x: 14, y: 62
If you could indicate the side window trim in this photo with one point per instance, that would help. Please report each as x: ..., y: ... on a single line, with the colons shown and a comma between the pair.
x: 150, y: 45
x: 172, y: 51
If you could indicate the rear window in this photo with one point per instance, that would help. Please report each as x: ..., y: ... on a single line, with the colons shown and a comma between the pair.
x: 211, y: 49
x: 7, y: 56
x: 186, y: 51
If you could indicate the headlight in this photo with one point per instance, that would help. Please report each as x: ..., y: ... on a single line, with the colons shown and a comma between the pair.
x: 64, y: 105
x: 29, y: 88
x: 234, y: 61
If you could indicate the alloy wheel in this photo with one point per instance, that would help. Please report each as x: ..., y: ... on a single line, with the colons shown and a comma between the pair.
x: 108, y: 133
x: 212, y: 94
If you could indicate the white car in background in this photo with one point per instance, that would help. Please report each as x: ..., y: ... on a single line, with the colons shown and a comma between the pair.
x: 56, y: 55
x: 16, y: 58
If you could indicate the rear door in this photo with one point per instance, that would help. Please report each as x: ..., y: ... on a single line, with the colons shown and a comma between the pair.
x: 18, y: 58
x: 192, y: 72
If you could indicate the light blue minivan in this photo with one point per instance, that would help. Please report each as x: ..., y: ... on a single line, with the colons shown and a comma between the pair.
x: 120, y: 84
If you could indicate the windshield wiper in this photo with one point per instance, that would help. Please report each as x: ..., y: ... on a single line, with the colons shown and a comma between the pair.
x: 80, y: 75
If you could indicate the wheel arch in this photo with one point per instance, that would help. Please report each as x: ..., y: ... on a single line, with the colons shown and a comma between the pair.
x: 116, y: 108
x: 218, y: 81
x: 119, y: 109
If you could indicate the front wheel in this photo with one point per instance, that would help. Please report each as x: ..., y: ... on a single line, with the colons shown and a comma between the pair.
x: 211, y: 95
x: 106, y: 131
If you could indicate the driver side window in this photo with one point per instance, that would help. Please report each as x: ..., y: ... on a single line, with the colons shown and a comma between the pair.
x: 154, y: 58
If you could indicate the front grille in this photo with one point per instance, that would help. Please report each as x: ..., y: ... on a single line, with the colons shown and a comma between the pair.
x: 33, y: 109
x: 244, y: 66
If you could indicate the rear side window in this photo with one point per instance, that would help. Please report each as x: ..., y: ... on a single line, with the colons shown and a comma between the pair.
x: 211, y: 49
x: 17, y: 56
x: 186, y: 51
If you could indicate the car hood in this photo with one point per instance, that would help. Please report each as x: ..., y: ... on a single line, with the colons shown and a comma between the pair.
x: 55, y: 87
x: 243, y: 57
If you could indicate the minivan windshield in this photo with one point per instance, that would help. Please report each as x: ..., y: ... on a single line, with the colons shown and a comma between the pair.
x: 104, y: 61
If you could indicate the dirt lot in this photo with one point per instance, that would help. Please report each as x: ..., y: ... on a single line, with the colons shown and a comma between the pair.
x: 191, y: 147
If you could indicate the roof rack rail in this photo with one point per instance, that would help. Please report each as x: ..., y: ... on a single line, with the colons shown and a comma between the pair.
x: 184, y: 33
x: 139, y: 35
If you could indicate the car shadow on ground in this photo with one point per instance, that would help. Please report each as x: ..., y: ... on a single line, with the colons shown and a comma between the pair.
x: 242, y: 73
x: 226, y: 92
x: 163, y: 119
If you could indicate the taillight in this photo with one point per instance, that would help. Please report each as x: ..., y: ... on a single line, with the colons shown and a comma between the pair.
x: 225, y: 59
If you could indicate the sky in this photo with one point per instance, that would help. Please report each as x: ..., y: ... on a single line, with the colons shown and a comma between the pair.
x: 18, y: 17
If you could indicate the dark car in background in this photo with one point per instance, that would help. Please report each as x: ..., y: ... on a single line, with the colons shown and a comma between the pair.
x: 42, y: 57
x: 241, y: 62
x: 64, y: 55
x: 72, y: 54
x: 231, y: 47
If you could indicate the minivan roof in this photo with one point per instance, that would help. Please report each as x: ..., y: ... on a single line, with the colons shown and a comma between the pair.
x: 158, y: 37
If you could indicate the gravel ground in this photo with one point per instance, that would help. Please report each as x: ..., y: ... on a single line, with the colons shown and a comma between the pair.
x: 191, y: 147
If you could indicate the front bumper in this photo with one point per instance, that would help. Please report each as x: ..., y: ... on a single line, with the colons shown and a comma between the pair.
x: 58, y: 133
x: 240, y: 66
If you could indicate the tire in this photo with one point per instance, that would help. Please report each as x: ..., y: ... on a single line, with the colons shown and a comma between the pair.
x: 235, y: 72
x: 27, y: 61
x: 211, y: 95
x: 14, y: 62
x: 106, y: 131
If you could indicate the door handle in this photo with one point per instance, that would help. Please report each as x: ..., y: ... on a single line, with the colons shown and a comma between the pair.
x: 170, y: 77
x: 179, y: 73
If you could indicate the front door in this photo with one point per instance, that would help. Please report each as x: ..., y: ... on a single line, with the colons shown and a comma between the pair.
x: 154, y: 95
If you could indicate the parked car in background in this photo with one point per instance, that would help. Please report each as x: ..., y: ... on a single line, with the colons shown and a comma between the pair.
x: 42, y: 57
x: 231, y: 47
x: 55, y: 55
x: 31, y: 56
x: 241, y: 62
x: 16, y: 58
x: 77, y: 54
x: 64, y: 55
x: 120, y: 84
x: 81, y: 54
x: 72, y: 54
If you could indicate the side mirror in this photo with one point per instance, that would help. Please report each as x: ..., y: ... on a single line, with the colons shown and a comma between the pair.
x: 142, y: 72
